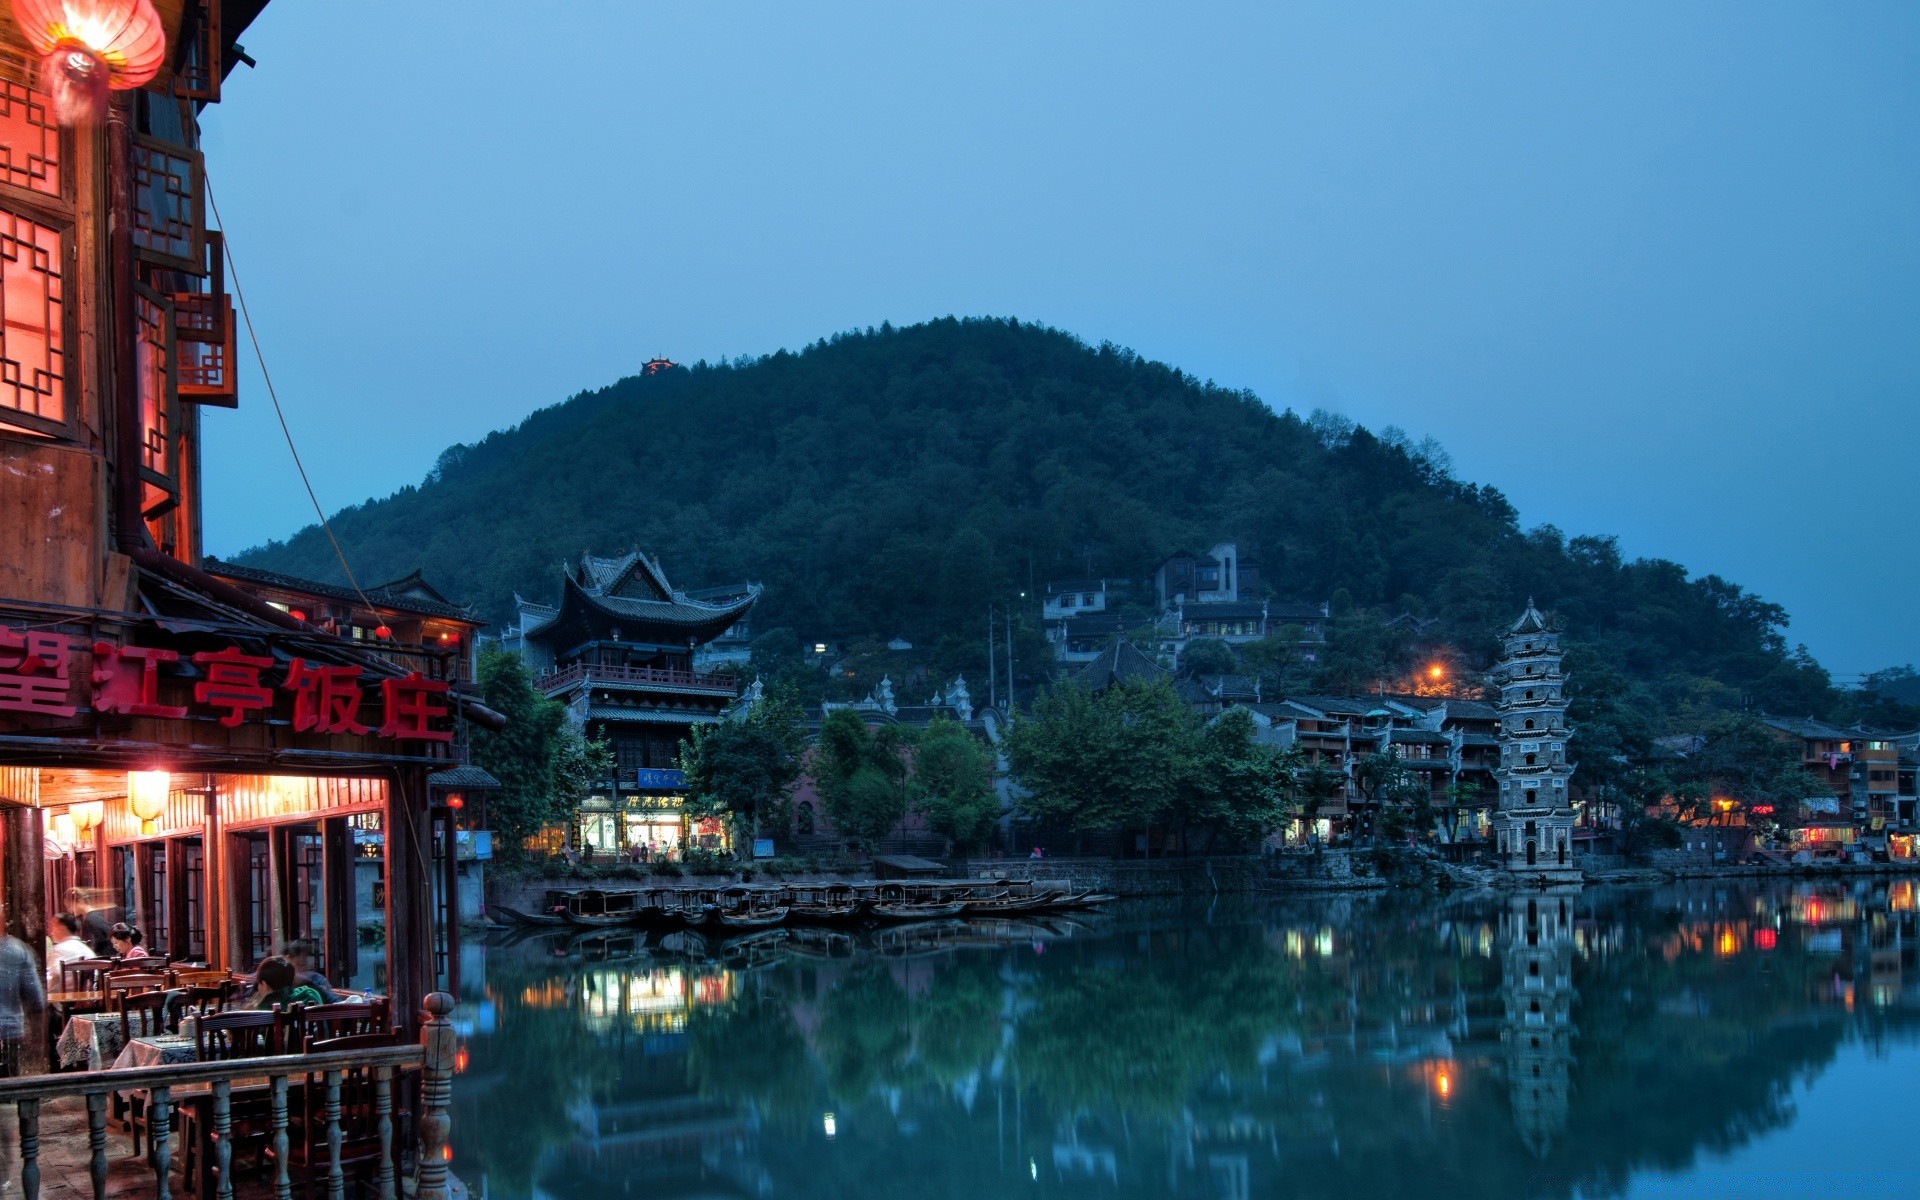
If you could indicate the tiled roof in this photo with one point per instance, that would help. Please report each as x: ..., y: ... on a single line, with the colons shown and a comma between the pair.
x: 464, y: 776
x: 616, y: 712
x: 1058, y: 586
x: 1807, y: 727
x: 394, y: 594
x: 1224, y: 610
x: 1292, y: 613
x: 1121, y: 662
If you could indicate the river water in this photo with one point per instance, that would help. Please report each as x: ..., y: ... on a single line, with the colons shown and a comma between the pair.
x: 1713, y: 1040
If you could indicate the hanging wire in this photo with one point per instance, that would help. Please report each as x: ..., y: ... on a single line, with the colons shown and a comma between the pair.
x: 239, y: 294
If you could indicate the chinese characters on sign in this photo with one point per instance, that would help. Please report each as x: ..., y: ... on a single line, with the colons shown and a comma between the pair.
x: 34, y: 678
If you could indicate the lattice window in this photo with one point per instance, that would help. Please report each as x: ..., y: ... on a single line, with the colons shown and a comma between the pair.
x: 33, y: 366
x: 199, y: 76
x: 152, y: 359
x: 203, y: 348
x: 29, y: 140
x: 166, y: 203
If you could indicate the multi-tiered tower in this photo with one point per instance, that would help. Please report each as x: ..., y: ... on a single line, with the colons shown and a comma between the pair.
x: 1533, y: 825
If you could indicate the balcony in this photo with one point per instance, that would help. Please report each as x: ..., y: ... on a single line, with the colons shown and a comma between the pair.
x: 687, y: 681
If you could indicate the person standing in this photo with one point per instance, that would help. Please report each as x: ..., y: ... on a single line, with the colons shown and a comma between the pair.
x: 95, y: 926
x: 20, y: 998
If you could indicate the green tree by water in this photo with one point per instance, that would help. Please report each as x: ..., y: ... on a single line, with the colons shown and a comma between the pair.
x: 861, y: 775
x: 746, y: 769
x: 952, y: 784
x: 544, y: 766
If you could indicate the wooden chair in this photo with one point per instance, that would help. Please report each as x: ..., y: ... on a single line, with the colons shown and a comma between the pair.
x: 133, y: 981
x: 146, y: 962
x: 315, y: 1022
x: 201, y: 1001
x: 198, y: 976
x: 309, y: 1156
x: 142, y: 1014
x: 85, y: 974
x: 220, y: 1037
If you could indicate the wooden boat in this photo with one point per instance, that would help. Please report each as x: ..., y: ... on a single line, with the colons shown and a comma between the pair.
x: 1087, y: 899
x: 513, y: 916
x: 823, y: 914
x: 1005, y: 906
x: 754, y: 918
x: 591, y: 908
x: 896, y: 913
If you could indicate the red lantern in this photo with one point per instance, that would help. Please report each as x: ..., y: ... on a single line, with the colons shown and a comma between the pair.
x: 383, y: 632
x: 91, y: 47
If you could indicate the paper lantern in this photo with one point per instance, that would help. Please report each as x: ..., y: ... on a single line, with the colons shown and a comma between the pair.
x: 90, y: 47
x: 147, y: 796
x: 383, y: 632
x: 87, y: 817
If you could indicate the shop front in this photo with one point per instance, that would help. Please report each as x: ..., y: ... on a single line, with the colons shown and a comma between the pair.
x: 226, y: 785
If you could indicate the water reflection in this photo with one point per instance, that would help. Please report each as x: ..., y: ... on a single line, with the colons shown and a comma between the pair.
x: 1544, y: 1044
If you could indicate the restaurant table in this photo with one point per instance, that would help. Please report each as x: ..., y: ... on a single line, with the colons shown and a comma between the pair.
x: 161, y: 1050
x: 91, y: 1039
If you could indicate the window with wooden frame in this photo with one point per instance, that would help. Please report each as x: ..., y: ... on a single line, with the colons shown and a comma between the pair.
x: 203, y: 337
x: 168, y: 202
x: 196, y: 76
x: 159, y: 410
x: 36, y: 261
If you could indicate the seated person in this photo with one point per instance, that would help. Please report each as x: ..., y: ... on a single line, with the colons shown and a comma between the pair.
x: 301, y: 954
x: 126, y: 941
x: 280, y: 985
x: 68, y: 946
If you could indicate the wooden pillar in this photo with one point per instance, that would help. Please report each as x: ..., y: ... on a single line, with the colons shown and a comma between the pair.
x: 342, y: 923
x: 25, y: 867
x: 409, y: 895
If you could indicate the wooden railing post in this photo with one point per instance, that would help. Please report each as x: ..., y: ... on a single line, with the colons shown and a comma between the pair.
x: 97, y: 1143
x: 29, y: 1149
x: 436, y: 1093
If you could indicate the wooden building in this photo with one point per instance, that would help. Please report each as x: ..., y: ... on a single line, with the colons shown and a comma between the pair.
x: 618, y: 651
x: 205, y: 760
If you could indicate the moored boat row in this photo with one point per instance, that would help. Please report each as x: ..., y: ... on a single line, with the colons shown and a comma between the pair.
x: 748, y: 907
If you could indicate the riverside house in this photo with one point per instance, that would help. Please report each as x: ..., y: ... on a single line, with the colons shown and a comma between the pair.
x: 198, y: 760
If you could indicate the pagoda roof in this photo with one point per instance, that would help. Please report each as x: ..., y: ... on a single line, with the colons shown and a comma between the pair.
x: 1531, y: 621
x: 1121, y: 662
x: 630, y: 589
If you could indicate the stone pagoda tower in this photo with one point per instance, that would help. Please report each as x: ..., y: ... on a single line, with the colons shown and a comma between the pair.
x: 1533, y: 822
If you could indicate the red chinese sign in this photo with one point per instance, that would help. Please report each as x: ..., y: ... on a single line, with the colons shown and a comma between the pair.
x: 35, y: 678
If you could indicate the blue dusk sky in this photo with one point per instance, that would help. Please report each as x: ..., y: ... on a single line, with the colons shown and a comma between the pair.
x: 1652, y: 269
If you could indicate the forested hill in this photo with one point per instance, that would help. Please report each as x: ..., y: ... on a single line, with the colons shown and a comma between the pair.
x: 896, y: 481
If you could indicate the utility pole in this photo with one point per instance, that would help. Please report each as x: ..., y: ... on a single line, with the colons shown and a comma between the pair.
x: 1009, y: 660
x: 993, y: 686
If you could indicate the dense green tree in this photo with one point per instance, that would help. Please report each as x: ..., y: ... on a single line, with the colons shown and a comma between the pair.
x: 544, y: 766
x: 1208, y: 656
x: 1238, y: 789
x: 952, y: 784
x: 1062, y: 753
x: 861, y: 775
x: 746, y: 769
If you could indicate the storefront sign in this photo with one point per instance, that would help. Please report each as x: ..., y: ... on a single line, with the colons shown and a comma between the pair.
x: 660, y: 779
x: 35, y: 678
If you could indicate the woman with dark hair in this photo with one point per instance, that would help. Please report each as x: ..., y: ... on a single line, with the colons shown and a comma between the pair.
x: 126, y: 941
x: 280, y: 985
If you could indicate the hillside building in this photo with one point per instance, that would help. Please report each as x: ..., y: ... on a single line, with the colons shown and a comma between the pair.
x: 1219, y: 576
x: 618, y: 650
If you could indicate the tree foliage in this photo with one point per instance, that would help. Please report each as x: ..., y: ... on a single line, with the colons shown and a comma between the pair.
x: 746, y: 769
x: 861, y: 775
x: 544, y: 766
x: 952, y: 784
x: 898, y: 481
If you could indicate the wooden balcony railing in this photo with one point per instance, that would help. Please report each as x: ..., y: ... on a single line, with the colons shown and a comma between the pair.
x: 553, y: 681
x: 434, y: 1057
